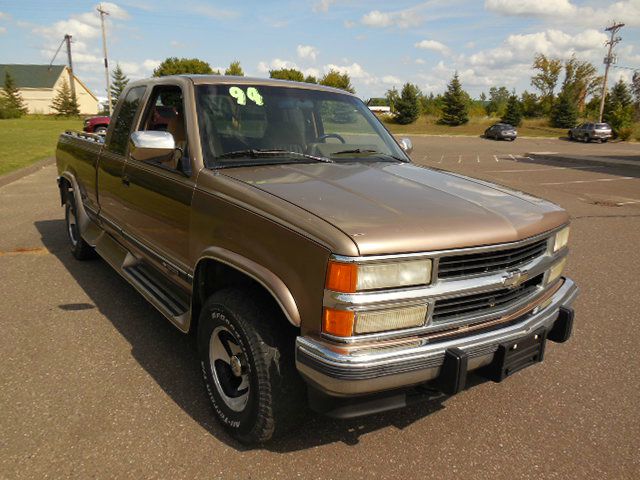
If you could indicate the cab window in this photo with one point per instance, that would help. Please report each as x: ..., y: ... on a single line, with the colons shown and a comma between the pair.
x: 165, y: 113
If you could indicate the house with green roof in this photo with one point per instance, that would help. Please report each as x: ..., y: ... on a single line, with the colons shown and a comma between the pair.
x: 39, y: 84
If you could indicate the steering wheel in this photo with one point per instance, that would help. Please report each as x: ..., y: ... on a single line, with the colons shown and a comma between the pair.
x: 331, y: 135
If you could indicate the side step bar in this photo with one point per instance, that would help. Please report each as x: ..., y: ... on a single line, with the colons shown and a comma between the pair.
x: 160, y: 292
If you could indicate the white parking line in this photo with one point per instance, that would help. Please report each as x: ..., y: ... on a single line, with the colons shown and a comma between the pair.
x: 590, y: 181
x: 513, y: 158
x: 459, y: 158
x: 496, y: 158
x: 441, y: 158
x: 478, y: 157
x: 520, y: 170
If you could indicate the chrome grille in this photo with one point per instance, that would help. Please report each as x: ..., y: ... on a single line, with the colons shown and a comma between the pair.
x: 490, y: 261
x: 483, y: 303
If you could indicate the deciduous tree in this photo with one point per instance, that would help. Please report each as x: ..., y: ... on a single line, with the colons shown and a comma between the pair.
x: 177, y: 66
x: 234, y: 69
x: 335, y: 79
x: 546, y: 80
x: 287, y: 74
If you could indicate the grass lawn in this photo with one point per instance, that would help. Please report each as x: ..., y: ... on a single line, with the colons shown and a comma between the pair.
x: 475, y: 126
x: 26, y: 140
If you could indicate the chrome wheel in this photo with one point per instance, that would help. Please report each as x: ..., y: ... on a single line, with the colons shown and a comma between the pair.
x: 229, y: 368
x: 72, y: 225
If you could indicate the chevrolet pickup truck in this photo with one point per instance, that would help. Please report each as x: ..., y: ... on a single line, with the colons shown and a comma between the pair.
x: 283, y: 226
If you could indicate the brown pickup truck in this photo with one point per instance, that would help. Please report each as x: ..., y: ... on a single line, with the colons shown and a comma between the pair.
x: 285, y: 227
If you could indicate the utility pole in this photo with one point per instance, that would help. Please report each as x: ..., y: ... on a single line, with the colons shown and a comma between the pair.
x: 608, y: 60
x: 104, y: 48
x: 72, y: 80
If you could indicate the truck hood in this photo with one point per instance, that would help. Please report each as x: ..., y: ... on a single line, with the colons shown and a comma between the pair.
x: 399, y: 208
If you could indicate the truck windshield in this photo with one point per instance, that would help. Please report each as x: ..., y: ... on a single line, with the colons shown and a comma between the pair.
x: 257, y: 124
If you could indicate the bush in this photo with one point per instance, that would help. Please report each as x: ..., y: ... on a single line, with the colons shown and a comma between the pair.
x: 625, y: 133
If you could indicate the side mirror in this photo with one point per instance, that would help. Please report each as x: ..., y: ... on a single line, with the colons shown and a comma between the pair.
x: 152, y: 146
x: 407, y: 145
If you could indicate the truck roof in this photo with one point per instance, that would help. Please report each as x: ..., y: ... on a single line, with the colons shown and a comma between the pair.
x: 233, y: 80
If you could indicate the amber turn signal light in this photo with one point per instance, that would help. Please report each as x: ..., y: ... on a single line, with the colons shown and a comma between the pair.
x: 342, y: 277
x: 338, y: 322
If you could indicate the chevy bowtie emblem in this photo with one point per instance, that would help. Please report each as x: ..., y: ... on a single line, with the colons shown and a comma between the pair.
x: 514, y: 278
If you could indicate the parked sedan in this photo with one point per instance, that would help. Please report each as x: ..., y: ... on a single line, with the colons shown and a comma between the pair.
x: 600, y: 132
x: 501, y: 131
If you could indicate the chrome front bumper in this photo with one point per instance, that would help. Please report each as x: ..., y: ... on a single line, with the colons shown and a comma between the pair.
x: 346, y: 371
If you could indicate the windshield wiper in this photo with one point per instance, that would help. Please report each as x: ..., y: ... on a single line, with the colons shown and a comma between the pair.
x: 258, y: 152
x: 370, y: 152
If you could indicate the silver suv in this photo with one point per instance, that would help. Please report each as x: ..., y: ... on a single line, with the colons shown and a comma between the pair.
x: 586, y: 132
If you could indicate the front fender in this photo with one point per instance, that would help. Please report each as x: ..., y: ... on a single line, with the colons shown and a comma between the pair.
x: 271, y: 282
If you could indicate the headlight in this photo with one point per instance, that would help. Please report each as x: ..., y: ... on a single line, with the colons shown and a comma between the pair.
x: 561, y: 239
x: 556, y: 271
x: 353, y: 277
x: 345, y: 323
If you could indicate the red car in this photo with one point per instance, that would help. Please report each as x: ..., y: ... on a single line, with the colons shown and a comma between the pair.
x: 96, y: 125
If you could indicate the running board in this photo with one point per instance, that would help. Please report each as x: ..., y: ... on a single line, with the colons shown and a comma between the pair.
x: 169, y: 299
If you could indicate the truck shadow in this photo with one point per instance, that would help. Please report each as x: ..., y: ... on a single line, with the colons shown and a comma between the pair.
x: 170, y: 357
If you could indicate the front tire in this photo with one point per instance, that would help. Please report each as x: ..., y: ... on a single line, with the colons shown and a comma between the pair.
x: 247, y: 357
x: 80, y: 249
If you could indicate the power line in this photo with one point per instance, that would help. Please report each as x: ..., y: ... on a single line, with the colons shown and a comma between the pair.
x: 608, y: 60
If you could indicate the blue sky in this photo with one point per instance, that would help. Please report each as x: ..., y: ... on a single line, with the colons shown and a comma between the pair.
x: 380, y: 44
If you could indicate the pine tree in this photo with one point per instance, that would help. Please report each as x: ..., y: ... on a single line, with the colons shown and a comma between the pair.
x: 11, y: 96
x: 513, y: 114
x: 234, y: 69
x: 618, y: 108
x: 119, y: 82
x: 564, y: 113
x: 65, y: 103
x: 455, y: 110
x: 408, y: 105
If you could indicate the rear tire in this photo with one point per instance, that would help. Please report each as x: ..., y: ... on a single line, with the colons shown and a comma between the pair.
x: 80, y: 249
x: 247, y: 355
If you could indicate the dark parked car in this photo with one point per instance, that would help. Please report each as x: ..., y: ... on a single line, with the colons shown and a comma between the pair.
x: 586, y: 132
x: 96, y: 125
x: 501, y: 131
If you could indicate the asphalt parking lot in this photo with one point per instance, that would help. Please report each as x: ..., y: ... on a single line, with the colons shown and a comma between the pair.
x: 96, y: 384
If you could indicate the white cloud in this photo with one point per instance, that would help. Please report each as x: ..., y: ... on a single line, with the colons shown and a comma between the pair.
x: 391, y: 80
x: 433, y: 45
x: 399, y: 18
x: 176, y: 44
x: 349, y: 24
x: 566, y: 12
x: 3, y: 30
x: 419, y: 61
x: 4, y: 16
x: 520, y: 48
x: 275, y: 64
x: 323, y: 5
x: 546, y: 8
x: 136, y: 70
x: 307, y: 51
